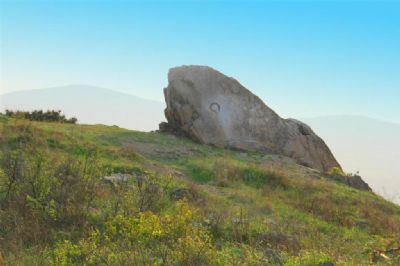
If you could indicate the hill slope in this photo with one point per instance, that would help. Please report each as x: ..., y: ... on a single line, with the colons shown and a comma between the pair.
x: 366, y: 145
x: 93, y: 105
x: 360, y: 144
x: 169, y: 201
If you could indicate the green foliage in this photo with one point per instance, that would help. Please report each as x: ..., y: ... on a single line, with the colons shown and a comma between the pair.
x: 227, y: 171
x: 39, y: 115
x: 310, y: 259
x: 56, y: 207
x: 336, y: 170
x: 41, y: 191
x: 144, y: 238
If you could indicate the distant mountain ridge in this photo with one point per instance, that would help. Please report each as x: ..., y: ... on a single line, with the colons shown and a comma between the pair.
x: 91, y: 105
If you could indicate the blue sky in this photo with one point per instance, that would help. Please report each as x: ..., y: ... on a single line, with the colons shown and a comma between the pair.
x: 303, y: 58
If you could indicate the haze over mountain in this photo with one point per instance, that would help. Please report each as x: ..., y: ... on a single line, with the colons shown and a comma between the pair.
x: 91, y: 105
x: 367, y: 145
x: 358, y: 143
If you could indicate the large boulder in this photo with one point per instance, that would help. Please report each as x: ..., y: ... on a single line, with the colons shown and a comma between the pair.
x: 211, y: 108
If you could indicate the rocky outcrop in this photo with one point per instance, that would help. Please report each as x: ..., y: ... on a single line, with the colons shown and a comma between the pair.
x: 209, y: 107
x: 354, y: 181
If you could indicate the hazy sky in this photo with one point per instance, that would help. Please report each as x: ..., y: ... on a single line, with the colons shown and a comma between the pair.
x: 303, y: 58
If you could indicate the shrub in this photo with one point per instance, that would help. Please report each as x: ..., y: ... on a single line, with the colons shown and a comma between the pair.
x: 336, y: 171
x: 44, y: 194
x: 39, y: 191
x: 147, y: 238
x: 39, y: 115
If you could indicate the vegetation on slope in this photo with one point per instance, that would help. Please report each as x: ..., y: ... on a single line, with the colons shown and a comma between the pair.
x: 39, y: 115
x: 96, y: 195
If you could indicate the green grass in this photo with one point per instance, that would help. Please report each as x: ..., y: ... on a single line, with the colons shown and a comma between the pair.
x: 240, y: 198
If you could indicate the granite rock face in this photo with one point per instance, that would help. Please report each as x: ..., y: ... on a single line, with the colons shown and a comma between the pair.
x: 209, y: 107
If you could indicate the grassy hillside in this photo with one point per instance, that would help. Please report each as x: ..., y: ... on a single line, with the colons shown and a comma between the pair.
x: 170, y: 201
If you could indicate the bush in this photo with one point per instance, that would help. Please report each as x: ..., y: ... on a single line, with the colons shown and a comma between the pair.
x: 40, y: 191
x: 144, y: 238
x: 39, y: 115
x: 336, y: 171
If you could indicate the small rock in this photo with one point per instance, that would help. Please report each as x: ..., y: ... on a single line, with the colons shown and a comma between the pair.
x: 117, y: 177
x: 357, y: 182
x: 354, y: 181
